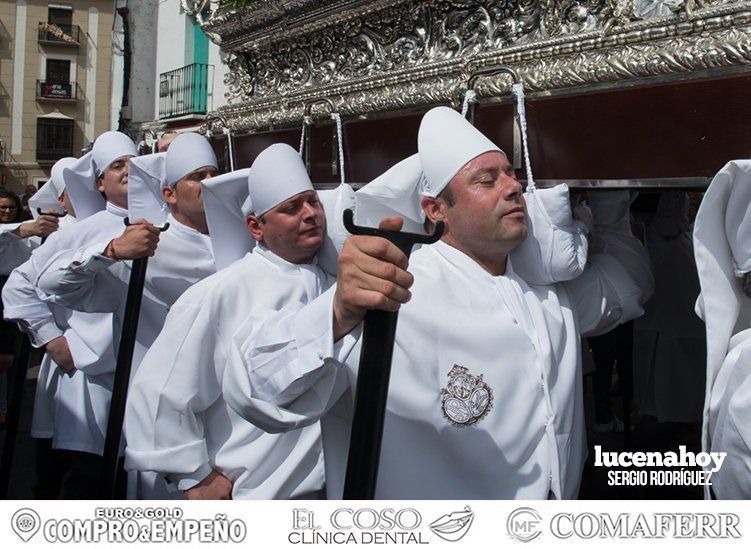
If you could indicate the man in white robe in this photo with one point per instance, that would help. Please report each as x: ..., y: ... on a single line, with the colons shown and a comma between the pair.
x: 94, y: 278
x: 485, y: 398
x: 39, y: 322
x: 18, y: 240
x: 177, y: 422
x: 82, y: 397
x: 722, y: 246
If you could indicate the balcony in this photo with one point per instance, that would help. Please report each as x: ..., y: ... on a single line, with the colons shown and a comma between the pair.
x: 65, y: 92
x: 186, y: 91
x: 59, y: 35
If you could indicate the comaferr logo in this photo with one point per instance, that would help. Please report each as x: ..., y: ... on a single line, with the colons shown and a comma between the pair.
x: 524, y: 524
x: 640, y: 525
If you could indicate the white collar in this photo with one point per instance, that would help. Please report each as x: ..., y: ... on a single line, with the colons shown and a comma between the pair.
x: 469, y: 267
x: 188, y: 232
x: 115, y: 210
x: 285, y: 265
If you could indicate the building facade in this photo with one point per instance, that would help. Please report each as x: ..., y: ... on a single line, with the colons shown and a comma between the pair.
x: 55, y: 83
x: 176, y: 73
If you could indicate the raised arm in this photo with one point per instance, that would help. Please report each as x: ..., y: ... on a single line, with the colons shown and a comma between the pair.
x: 94, y: 279
x: 286, y: 369
x: 24, y: 305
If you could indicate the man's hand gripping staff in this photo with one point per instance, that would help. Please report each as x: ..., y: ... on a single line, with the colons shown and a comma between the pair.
x: 373, y: 283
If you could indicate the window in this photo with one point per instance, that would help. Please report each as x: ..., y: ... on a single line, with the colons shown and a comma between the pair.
x: 58, y: 71
x: 54, y: 138
x: 62, y: 17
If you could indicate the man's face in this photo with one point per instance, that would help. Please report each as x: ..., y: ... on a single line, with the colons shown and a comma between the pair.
x: 8, y: 210
x: 30, y: 191
x: 487, y: 213
x: 294, y: 229
x: 65, y: 202
x: 163, y: 143
x: 185, y: 196
x: 114, y: 181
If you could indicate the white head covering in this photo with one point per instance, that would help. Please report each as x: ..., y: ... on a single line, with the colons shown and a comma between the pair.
x: 188, y: 152
x: 110, y: 146
x: 80, y: 179
x: 81, y: 176
x: 46, y: 198
x: 56, y: 175
x: 722, y: 247
x: 395, y: 192
x: 446, y: 141
x: 556, y: 248
x: 227, y: 205
x: 276, y: 174
x: 146, y: 175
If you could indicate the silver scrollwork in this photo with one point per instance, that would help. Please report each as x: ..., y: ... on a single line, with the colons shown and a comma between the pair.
x: 395, y: 54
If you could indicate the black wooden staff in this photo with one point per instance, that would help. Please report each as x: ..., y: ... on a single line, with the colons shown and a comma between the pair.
x: 122, y: 375
x: 372, y: 389
x: 20, y: 369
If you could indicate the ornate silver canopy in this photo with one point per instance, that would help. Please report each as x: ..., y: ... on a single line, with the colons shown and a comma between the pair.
x: 385, y: 55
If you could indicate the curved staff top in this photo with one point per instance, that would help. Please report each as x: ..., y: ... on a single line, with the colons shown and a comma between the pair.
x: 374, y: 371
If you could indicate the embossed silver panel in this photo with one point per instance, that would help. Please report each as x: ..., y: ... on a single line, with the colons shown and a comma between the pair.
x: 386, y: 55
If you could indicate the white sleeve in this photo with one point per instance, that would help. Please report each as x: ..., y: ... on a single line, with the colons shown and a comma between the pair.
x: 6, y: 233
x: 84, y: 280
x: 14, y: 250
x: 618, y: 280
x: 285, y: 371
x: 24, y: 305
x: 175, y: 383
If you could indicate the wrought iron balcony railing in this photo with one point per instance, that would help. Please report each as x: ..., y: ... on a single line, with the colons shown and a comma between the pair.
x: 65, y: 35
x: 57, y: 91
x: 186, y: 90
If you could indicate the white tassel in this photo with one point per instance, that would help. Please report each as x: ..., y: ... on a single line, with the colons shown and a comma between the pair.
x: 338, y: 120
x: 305, y: 121
x: 469, y: 97
x: 230, y: 148
x: 518, y: 91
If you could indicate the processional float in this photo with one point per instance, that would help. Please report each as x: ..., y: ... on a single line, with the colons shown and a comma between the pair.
x: 601, y: 94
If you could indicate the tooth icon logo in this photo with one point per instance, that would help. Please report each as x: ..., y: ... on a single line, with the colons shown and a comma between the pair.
x: 454, y: 526
x: 25, y: 523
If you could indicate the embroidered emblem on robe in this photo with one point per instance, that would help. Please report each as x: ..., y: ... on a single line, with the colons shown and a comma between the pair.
x: 466, y: 399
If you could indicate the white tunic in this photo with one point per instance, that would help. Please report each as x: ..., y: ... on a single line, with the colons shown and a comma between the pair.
x: 177, y: 422
x: 41, y: 317
x: 81, y: 399
x: 14, y: 250
x: 729, y: 422
x: 48, y: 377
x: 85, y: 280
x: 524, y: 341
